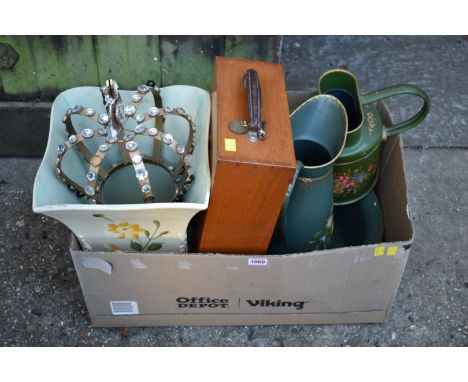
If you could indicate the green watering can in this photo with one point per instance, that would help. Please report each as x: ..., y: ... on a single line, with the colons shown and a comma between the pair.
x: 306, y: 221
x: 356, y: 169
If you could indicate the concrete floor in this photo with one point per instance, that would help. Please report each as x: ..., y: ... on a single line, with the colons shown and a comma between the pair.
x: 42, y: 304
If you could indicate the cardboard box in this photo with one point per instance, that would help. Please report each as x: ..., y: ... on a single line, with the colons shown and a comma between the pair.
x: 345, y: 285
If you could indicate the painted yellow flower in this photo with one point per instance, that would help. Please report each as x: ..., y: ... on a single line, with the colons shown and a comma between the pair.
x: 125, y: 229
x: 114, y: 248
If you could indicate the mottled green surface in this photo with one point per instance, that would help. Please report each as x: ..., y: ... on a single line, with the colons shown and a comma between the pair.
x: 63, y: 62
x: 51, y: 64
x: 21, y: 79
x: 262, y: 48
x: 189, y: 61
x: 131, y: 60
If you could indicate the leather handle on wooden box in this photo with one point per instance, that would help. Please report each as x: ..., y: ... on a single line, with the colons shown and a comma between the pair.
x: 254, y: 127
x: 254, y: 101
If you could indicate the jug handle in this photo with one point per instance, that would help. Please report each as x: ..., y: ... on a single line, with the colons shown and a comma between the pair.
x: 283, y: 217
x: 398, y: 90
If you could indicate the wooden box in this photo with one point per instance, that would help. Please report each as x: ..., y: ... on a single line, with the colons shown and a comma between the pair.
x: 249, y: 180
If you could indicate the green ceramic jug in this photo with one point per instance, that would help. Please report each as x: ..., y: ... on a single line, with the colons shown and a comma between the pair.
x: 306, y: 221
x: 355, y: 172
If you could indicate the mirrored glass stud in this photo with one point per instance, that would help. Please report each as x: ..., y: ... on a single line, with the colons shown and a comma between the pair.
x: 136, y: 98
x: 153, y: 111
x: 76, y: 109
x: 136, y: 159
x: 58, y: 171
x: 128, y: 136
x: 153, y: 131
x: 90, y: 112
x: 72, y: 139
x: 146, y: 188
x: 143, y: 89
x: 69, y: 111
x: 168, y: 109
x: 131, y: 146
x: 167, y: 139
x: 87, y: 133
x: 140, y: 128
x: 103, y: 148
x: 130, y: 110
x: 102, y: 131
x: 110, y: 139
x: 91, y: 176
x: 103, y: 119
x: 141, y: 173
x: 91, y: 201
x: 89, y: 190
x: 180, y: 149
x: 140, y: 118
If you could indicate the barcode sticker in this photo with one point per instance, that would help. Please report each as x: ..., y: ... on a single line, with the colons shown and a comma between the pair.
x: 120, y: 308
x: 258, y: 261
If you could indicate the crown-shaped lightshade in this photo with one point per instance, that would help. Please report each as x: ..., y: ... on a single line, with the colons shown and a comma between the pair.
x: 111, y: 131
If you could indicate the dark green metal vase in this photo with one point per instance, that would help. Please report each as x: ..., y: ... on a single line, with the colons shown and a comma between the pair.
x: 306, y: 221
x: 355, y: 172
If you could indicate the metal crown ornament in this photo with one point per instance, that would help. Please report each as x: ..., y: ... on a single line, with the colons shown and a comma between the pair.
x: 112, y: 131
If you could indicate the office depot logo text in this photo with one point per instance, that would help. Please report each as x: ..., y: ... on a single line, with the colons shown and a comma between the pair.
x: 202, y: 302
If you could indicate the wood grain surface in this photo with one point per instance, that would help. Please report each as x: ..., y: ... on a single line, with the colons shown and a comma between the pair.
x: 250, y: 183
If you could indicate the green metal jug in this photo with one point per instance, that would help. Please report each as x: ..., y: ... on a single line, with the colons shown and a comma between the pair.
x: 306, y: 221
x: 355, y: 172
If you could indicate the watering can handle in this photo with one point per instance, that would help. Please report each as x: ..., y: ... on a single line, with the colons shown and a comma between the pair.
x: 398, y: 90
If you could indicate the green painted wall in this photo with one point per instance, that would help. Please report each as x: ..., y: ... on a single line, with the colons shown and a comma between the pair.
x: 48, y: 65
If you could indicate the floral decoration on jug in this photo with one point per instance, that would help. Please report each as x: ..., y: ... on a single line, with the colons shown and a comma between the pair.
x: 322, y: 238
x: 353, y: 181
x: 142, y: 240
